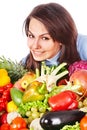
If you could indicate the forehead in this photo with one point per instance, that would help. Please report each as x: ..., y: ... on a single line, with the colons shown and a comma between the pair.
x: 36, y: 27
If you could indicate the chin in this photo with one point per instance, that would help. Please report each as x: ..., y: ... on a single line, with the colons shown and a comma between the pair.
x: 38, y: 59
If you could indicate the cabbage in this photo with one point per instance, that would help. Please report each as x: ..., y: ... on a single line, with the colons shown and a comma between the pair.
x: 78, y: 65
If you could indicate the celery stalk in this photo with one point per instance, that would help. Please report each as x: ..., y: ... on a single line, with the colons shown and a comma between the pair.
x: 37, y: 73
x: 61, y: 74
x: 43, y: 68
x: 55, y: 71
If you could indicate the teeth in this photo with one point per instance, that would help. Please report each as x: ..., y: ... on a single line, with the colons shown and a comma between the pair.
x: 38, y: 53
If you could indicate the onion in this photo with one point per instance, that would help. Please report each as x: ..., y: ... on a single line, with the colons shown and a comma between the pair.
x: 79, y: 77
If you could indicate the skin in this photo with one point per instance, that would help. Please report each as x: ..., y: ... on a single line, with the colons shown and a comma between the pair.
x: 40, y: 42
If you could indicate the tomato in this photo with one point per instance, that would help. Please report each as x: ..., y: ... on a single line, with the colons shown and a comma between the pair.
x: 3, y: 118
x: 3, y: 106
x: 14, y: 128
x: 62, y: 82
x: 18, y: 123
x: 2, y: 90
x: 24, y: 129
x: 1, y: 100
x: 79, y: 77
x: 83, y: 123
x: 5, y: 126
x: 9, y: 85
x: 6, y: 94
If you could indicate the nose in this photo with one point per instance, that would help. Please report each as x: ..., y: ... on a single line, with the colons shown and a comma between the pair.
x: 36, y: 43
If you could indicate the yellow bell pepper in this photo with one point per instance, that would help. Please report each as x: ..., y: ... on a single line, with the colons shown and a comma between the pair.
x: 11, y: 106
x: 4, y: 77
x: 35, y: 91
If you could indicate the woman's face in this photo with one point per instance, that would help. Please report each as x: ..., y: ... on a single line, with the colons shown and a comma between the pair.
x: 40, y: 42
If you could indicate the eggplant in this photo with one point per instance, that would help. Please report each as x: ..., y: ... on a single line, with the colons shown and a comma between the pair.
x: 55, y: 120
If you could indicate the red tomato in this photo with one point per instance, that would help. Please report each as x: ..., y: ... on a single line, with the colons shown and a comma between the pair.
x: 18, y: 123
x: 14, y: 128
x: 1, y: 100
x: 3, y: 105
x: 24, y: 129
x: 62, y: 82
x: 83, y: 123
x: 3, y: 118
x: 5, y: 126
x: 79, y: 77
x: 6, y: 94
x: 2, y: 89
x: 10, y: 85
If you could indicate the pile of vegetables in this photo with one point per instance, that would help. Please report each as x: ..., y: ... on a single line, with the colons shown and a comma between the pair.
x: 15, y: 70
x: 5, y: 85
x: 53, y: 97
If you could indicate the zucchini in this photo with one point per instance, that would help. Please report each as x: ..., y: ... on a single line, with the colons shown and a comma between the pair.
x: 16, y: 95
x: 55, y: 120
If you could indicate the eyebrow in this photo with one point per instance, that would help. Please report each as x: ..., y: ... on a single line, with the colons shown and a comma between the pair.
x: 41, y: 34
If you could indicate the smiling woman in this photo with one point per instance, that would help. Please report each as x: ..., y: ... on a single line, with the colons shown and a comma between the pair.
x: 12, y: 15
x: 40, y: 41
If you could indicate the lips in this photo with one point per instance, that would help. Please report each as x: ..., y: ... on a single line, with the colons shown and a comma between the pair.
x: 37, y: 53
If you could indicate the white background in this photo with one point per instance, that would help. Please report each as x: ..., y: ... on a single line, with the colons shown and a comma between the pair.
x: 13, y: 42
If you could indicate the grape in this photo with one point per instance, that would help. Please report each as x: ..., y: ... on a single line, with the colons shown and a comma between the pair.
x: 85, y: 102
x: 42, y: 109
x: 28, y: 113
x: 80, y: 104
x: 34, y: 109
x: 41, y: 114
x: 30, y: 119
x: 26, y: 119
x: 35, y: 115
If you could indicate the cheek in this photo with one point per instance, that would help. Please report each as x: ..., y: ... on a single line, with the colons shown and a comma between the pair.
x: 28, y: 44
x: 48, y: 46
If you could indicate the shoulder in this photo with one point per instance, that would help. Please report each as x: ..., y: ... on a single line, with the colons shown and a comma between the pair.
x: 81, y: 39
x: 23, y: 61
x: 82, y: 46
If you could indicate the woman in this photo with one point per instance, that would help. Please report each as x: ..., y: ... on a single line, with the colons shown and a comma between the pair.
x: 52, y: 37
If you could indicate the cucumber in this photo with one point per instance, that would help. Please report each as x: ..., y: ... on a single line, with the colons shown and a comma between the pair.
x: 16, y: 95
x: 55, y: 120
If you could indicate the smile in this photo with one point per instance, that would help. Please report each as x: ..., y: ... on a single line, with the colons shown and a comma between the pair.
x: 37, y: 52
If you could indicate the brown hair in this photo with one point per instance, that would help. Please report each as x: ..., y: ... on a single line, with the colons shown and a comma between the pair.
x: 61, y: 28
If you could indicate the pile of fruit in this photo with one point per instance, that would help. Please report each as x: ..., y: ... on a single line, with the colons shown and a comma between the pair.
x: 51, y: 98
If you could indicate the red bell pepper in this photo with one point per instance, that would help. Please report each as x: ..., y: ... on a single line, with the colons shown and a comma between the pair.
x: 66, y: 100
x: 5, y: 96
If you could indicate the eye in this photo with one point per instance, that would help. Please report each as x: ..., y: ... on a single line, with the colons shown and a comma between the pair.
x: 30, y: 35
x: 45, y: 38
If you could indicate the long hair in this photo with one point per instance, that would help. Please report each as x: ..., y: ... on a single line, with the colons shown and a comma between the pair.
x: 61, y: 27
